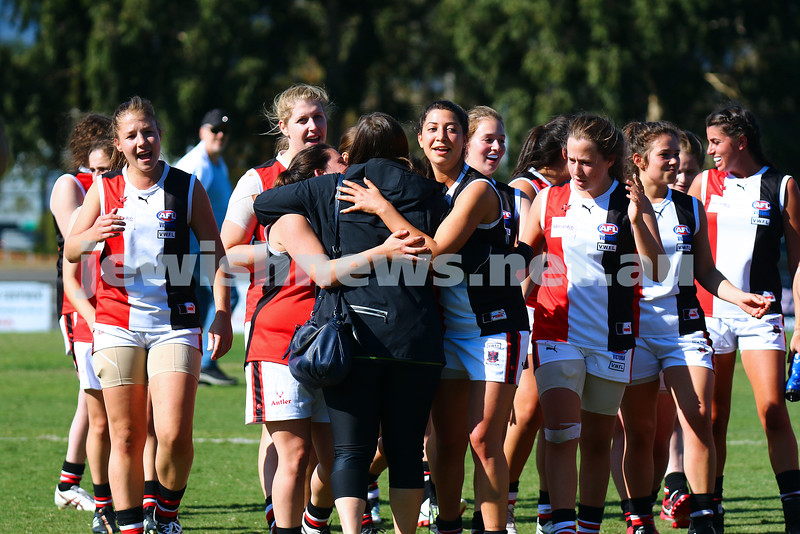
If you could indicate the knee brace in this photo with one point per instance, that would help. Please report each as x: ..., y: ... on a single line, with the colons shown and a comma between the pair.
x: 561, y: 435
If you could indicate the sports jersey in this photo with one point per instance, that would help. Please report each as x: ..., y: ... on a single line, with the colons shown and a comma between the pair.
x: 240, y: 211
x: 84, y: 181
x: 538, y: 181
x: 146, y: 282
x: 533, y: 177
x: 479, y: 305
x: 287, y: 300
x: 587, y: 295
x: 671, y: 307
x: 745, y: 225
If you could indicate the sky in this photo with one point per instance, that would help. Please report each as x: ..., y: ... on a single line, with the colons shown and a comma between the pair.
x: 9, y: 31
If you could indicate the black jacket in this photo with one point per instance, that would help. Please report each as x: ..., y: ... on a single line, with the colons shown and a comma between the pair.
x: 391, y: 319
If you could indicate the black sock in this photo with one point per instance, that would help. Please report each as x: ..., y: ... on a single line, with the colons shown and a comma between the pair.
x: 593, y: 515
x: 130, y: 516
x: 292, y: 530
x: 701, y: 501
x: 449, y: 527
x: 477, y: 521
x: 102, y: 495
x: 674, y: 481
x: 71, y: 475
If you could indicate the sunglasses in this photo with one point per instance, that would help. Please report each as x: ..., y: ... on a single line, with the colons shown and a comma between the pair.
x: 217, y: 129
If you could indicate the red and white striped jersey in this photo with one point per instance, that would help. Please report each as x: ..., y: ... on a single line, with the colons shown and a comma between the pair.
x: 589, y: 291
x: 240, y: 210
x: 745, y: 225
x: 146, y: 279
x: 287, y: 300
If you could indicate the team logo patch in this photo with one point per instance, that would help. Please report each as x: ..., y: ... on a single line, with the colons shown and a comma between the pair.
x: 187, y: 308
x: 682, y: 230
x: 494, y: 352
x: 619, y: 355
x: 762, y: 210
x: 690, y: 314
x: 166, y: 234
x: 624, y: 329
x: 608, y: 237
x: 617, y: 366
x: 608, y: 229
x: 497, y: 315
x: 769, y: 295
x: 166, y: 215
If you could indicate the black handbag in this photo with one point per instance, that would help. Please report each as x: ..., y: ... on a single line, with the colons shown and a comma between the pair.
x: 321, y: 355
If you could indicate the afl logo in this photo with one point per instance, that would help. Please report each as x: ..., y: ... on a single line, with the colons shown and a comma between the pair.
x: 608, y: 229
x: 762, y: 205
x: 166, y: 216
x: 682, y: 229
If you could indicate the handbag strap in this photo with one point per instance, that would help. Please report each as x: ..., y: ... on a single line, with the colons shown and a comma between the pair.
x: 337, y: 250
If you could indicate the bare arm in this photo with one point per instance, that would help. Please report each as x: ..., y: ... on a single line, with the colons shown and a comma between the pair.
x: 293, y: 234
x: 477, y: 204
x: 645, y: 230
x: 91, y: 228
x: 204, y: 226
x: 64, y: 199
x: 73, y: 288
x: 533, y: 235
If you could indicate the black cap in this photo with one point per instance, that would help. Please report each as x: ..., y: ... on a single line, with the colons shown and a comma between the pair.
x: 215, y: 118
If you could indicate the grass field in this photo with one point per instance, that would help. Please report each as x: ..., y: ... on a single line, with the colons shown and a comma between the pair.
x: 38, y: 389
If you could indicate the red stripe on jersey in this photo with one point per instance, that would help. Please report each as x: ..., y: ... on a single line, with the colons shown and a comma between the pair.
x: 513, y: 342
x: 111, y: 292
x: 267, y: 173
x: 551, y: 319
x: 713, y: 184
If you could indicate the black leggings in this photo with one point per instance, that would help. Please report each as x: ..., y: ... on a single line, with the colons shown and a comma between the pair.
x: 387, y: 397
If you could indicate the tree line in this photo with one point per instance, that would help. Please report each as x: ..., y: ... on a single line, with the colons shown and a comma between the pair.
x: 530, y: 59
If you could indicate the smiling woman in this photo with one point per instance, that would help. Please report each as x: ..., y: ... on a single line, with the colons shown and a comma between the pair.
x: 147, y: 332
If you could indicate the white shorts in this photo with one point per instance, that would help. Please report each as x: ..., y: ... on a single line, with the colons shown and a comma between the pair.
x: 273, y: 394
x: 610, y: 365
x: 495, y: 358
x: 107, y: 336
x: 83, y: 358
x: 530, y: 324
x: 746, y: 333
x: 659, y: 352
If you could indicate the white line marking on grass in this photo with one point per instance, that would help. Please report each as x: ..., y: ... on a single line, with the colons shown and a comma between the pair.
x: 61, y: 439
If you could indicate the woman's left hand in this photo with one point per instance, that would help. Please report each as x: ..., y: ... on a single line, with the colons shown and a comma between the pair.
x: 367, y: 199
x: 637, y: 198
x: 220, y: 335
x: 755, y: 305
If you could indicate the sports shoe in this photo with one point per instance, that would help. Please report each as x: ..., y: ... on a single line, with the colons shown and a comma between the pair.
x: 375, y: 510
x: 75, y: 497
x: 307, y: 528
x: 425, y: 518
x: 511, y: 521
x: 702, y: 525
x: 546, y: 528
x: 645, y: 529
x: 149, y: 521
x: 215, y: 377
x: 719, y: 518
x: 463, y: 508
x: 105, y: 520
x: 170, y: 527
x: 371, y: 529
x: 676, y: 509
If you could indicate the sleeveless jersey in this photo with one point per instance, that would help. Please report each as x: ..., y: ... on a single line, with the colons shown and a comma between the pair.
x: 146, y: 281
x: 671, y: 307
x: 84, y: 182
x: 587, y: 296
x: 483, y: 303
x: 287, y: 301
x: 263, y: 177
x: 745, y: 225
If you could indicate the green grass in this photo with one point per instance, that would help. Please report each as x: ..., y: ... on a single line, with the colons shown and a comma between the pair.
x: 38, y: 389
